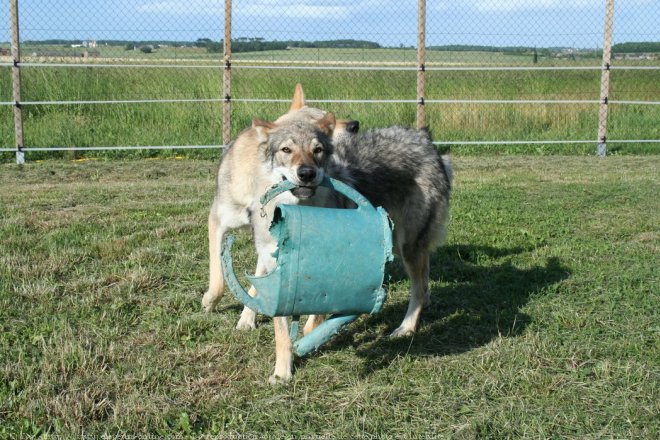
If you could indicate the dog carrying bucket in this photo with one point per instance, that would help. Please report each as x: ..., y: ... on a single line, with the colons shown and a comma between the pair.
x: 329, y: 261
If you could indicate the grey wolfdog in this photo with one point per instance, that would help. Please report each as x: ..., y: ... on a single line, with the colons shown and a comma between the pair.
x: 399, y: 169
x: 396, y: 168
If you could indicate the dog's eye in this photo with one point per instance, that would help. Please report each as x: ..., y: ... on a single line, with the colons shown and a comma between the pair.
x: 318, y: 150
x: 286, y: 150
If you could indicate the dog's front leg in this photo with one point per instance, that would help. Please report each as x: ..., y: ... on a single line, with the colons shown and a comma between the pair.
x: 283, y: 345
x: 266, y: 246
x: 283, y: 352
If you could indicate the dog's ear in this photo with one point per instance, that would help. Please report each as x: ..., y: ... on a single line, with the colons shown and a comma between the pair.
x: 298, y: 101
x: 327, y: 123
x: 256, y: 122
x: 262, y: 127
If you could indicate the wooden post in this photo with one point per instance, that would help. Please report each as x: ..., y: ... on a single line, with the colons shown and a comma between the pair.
x: 16, y: 83
x: 421, y: 60
x: 226, y: 80
x: 601, y: 150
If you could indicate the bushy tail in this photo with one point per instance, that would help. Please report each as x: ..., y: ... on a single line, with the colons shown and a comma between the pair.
x: 446, y: 163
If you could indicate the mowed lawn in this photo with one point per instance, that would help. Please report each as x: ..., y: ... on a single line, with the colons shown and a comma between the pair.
x: 544, y: 323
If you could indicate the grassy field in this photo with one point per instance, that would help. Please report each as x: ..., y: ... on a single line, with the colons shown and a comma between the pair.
x: 200, y: 123
x: 543, y: 323
x: 309, y: 55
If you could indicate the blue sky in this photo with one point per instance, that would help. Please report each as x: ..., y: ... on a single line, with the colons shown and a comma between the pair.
x: 390, y: 22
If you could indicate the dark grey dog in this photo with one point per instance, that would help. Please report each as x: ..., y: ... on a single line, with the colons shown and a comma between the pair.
x: 399, y: 169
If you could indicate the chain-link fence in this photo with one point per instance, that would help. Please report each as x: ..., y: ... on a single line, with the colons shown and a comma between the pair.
x: 501, y: 75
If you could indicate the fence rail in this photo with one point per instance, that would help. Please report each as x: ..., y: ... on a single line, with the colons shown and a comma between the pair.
x: 244, y: 20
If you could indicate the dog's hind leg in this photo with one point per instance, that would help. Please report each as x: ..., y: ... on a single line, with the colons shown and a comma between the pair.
x: 216, y: 280
x: 417, y: 266
x: 248, y: 319
x: 313, y: 321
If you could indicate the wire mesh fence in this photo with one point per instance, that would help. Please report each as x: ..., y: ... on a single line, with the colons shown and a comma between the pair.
x: 506, y: 75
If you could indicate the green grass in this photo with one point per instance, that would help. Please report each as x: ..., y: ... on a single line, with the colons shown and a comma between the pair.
x: 200, y: 124
x: 544, y: 321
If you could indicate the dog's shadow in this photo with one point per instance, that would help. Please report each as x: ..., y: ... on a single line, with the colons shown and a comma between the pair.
x: 475, y: 298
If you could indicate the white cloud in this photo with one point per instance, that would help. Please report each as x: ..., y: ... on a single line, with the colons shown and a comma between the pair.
x: 330, y: 9
x: 516, y: 5
x: 264, y: 8
x: 189, y: 7
x: 306, y: 9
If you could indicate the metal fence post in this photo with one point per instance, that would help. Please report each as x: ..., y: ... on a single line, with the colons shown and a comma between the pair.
x: 226, y: 80
x: 601, y: 149
x: 16, y: 83
x: 421, y: 60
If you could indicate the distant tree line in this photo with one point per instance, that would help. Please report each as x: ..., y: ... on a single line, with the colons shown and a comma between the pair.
x: 59, y: 42
x: 478, y: 48
x: 257, y: 44
x: 242, y: 44
x: 642, y: 47
x: 335, y: 44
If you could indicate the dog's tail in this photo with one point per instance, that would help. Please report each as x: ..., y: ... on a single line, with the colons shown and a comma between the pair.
x: 449, y: 172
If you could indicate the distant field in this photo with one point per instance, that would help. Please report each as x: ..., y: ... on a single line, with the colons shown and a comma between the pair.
x: 199, y: 123
x: 408, y: 56
x: 311, y: 55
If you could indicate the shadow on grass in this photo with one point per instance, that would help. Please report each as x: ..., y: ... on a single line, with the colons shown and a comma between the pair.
x: 482, y: 301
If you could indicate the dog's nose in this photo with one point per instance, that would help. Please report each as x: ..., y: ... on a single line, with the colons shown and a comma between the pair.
x: 306, y: 173
x: 353, y: 126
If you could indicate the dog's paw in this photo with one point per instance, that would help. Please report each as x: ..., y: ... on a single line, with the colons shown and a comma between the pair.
x: 209, y: 301
x: 275, y: 379
x: 402, y: 332
x: 248, y: 320
x: 245, y: 325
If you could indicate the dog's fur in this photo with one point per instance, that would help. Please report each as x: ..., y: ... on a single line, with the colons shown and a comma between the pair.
x: 394, y: 167
x: 399, y: 169
x: 299, y: 151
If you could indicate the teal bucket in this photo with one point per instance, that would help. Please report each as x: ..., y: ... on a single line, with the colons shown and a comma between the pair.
x: 329, y: 261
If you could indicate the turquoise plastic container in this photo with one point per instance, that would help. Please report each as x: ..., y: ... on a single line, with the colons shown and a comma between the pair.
x: 329, y: 261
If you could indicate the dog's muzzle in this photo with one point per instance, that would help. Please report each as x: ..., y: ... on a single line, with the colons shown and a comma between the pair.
x: 304, y: 192
x: 307, y: 175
